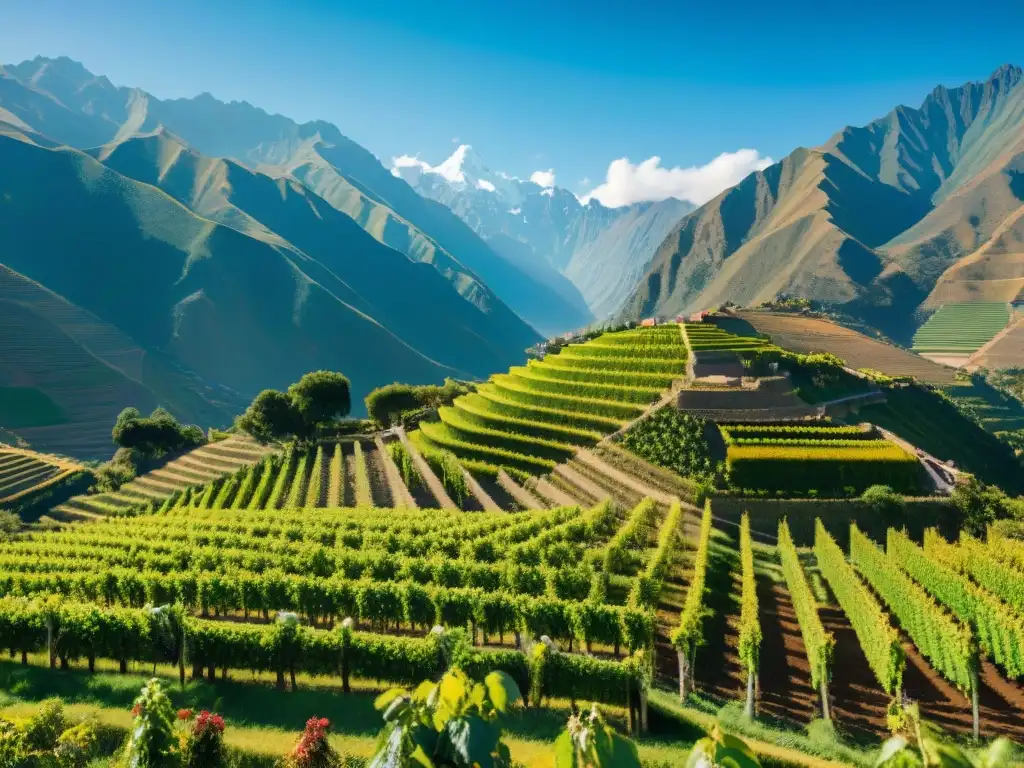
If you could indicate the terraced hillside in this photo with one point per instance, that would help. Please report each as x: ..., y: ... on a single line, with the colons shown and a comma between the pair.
x: 957, y: 330
x: 709, y: 337
x: 198, y: 467
x: 808, y: 335
x: 535, y: 416
x: 89, y: 370
x: 24, y: 472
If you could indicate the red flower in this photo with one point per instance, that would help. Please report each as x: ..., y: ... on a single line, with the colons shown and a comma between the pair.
x: 136, y: 710
x: 185, y: 714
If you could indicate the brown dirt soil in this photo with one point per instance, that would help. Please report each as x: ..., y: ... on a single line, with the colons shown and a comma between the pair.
x: 379, y: 489
x: 785, y: 677
x: 809, y: 334
x: 501, y: 497
x: 858, y: 703
x: 348, y: 461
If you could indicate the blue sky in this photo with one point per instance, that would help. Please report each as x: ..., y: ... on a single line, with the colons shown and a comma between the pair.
x: 570, y: 86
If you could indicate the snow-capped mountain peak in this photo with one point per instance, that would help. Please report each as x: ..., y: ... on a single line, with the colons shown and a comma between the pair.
x: 463, y: 169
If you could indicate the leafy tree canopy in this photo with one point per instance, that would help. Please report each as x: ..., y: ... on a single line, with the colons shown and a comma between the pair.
x: 271, y: 416
x: 155, y: 435
x: 321, y: 396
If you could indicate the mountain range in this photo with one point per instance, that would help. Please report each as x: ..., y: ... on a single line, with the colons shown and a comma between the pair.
x: 591, y: 253
x: 884, y: 222
x: 190, y: 252
x: 240, y: 247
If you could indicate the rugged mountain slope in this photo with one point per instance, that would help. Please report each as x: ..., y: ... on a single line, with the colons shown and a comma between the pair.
x: 410, y: 298
x: 336, y: 168
x: 870, y: 220
x: 235, y: 308
x: 547, y: 230
x: 606, y: 268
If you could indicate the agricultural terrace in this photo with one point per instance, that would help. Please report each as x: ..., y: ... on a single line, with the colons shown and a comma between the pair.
x: 960, y: 329
x: 709, y: 337
x: 809, y: 335
x: 617, y: 587
x: 828, y: 459
x: 195, y: 468
x: 537, y: 415
x: 23, y: 473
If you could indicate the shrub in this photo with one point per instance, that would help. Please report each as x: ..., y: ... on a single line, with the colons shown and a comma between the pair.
x: 313, y: 750
x: 45, y: 725
x: 386, y: 404
x: 76, y: 746
x: 980, y: 505
x: 203, y: 745
x: 156, y: 435
x: 271, y: 416
x: 13, y: 751
x: 883, y: 500
x: 152, y: 743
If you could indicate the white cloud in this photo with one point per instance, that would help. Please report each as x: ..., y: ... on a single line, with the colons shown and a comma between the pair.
x: 515, y: 211
x: 549, y: 191
x: 408, y: 161
x: 485, y: 185
x: 627, y: 183
x: 544, y: 179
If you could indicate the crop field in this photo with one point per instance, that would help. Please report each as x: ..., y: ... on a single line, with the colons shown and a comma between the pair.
x: 194, y: 468
x: 535, y: 416
x: 604, y: 582
x: 25, y: 472
x: 238, y: 551
x: 808, y: 335
x: 960, y: 329
x: 825, y: 459
x: 709, y: 337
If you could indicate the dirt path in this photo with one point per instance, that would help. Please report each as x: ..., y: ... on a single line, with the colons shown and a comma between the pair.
x: 380, y: 490
x: 349, y: 471
x: 858, y: 703
x: 785, y: 676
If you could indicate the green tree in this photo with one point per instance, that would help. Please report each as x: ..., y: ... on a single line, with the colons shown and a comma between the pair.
x: 155, y: 435
x: 321, y: 396
x: 979, y: 505
x: 386, y: 403
x: 271, y: 416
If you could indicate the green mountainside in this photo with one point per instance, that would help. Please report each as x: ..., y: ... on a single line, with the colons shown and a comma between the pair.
x: 920, y: 207
x: 316, y: 153
x: 228, y: 276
